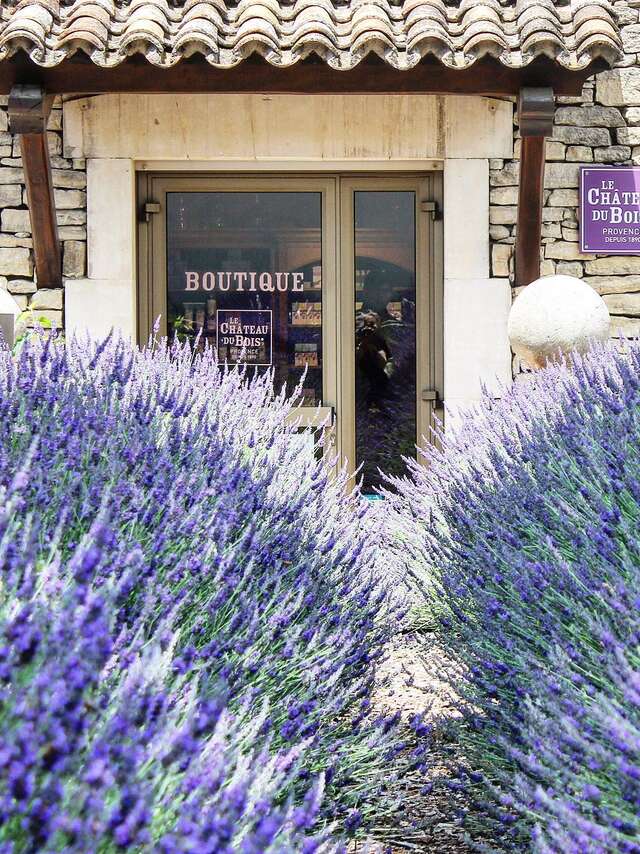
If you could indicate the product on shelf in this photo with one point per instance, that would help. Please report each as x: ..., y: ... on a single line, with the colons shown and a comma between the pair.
x: 308, y: 397
x: 306, y: 355
x: 198, y: 309
x: 306, y: 314
x: 212, y: 306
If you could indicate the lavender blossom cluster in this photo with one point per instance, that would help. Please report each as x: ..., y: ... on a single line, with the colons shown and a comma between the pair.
x: 524, y: 534
x: 191, y: 613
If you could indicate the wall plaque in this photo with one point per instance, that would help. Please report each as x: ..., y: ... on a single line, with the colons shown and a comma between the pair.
x: 610, y: 210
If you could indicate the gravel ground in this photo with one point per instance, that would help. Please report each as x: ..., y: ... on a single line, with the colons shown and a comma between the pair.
x: 409, y: 682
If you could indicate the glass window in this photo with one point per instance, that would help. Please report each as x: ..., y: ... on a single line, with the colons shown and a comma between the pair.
x: 385, y: 296
x: 244, y: 270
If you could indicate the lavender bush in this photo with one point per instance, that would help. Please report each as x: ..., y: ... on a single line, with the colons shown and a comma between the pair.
x: 528, y: 523
x: 191, y: 613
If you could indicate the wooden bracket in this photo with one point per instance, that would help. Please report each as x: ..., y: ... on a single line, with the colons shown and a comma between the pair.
x: 29, y: 109
x: 536, y: 108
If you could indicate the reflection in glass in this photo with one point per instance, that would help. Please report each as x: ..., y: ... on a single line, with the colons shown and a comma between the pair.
x: 385, y: 285
x: 244, y: 272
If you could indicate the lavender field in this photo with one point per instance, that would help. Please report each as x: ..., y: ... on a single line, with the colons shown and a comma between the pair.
x: 197, y: 617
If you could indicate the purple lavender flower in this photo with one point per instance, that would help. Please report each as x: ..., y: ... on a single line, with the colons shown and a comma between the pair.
x: 523, y: 534
x: 190, y: 613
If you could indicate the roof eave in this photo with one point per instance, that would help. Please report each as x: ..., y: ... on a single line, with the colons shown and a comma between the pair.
x: 487, y: 76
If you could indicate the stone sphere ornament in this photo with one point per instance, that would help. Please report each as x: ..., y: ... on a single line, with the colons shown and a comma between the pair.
x: 556, y: 315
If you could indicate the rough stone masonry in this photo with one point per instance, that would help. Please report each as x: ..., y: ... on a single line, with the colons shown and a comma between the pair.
x: 602, y: 126
x: 16, y: 246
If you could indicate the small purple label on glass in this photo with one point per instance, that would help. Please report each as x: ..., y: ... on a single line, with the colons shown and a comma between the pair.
x: 610, y: 203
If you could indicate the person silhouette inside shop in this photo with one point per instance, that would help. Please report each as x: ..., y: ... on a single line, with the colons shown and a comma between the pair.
x: 373, y: 354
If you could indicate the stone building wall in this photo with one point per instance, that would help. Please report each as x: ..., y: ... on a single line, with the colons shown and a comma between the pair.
x: 602, y: 127
x: 16, y: 246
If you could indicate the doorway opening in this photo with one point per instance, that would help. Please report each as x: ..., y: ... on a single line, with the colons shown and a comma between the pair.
x: 329, y: 282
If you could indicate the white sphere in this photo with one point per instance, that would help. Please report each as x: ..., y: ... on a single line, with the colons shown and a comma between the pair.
x: 556, y: 315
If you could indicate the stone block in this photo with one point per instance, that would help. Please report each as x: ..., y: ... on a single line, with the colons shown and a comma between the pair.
x: 626, y: 327
x: 631, y: 38
x: 58, y: 162
x: 590, y: 116
x: 68, y: 199
x: 612, y: 154
x: 614, y: 284
x: 47, y: 298
x: 11, y: 241
x: 16, y: 221
x: 55, y: 120
x: 11, y: 175
x: 561, y: 176
x: 74, y: 258
x: 562, y: 251
x: 54, y: 317
x: 627, y: 304
x: 508, y: 176
x: 71, y: 217
x: 503, y: 215
x: 626, y: 15
x: 570, y: 268
x: 97, y: 307
x: 564, y: 198
x: 632, y: 116
x: 579, y: 154
x: 69, y: 178
x: 552, y: 230
x: 10, y: 195
x: 552, y: 214
x: 619, y: 87
x: 622, y: 265
x: 15, y: 261
x: 547, y: 267
x: 54, y: 141
x: 628, y: 136
x: 504, y: 196
x: 500, y: 256
x: 72, y: 232
x: 21, y: 286
x: 499, y: 232
x: 570, y: 234
x: 4, y: 120
x: 22, y: 301
x: 582, y: 136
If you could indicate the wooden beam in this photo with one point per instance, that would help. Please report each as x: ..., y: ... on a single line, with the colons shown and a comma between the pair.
x: 489, y: 77
x: 536, y: 107
x: 29, y: 110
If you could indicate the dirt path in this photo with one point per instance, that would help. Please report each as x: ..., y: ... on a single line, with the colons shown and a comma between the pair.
x: 427, y: 822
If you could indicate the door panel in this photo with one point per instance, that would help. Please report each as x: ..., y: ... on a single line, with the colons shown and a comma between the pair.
x: 248, y: 266
x: 330, y: 279
x: 390, y: 354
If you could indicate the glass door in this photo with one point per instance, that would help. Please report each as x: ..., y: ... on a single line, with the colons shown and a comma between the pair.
x: 327, y: 282
x: 391, y: 341
x: 249, y: 270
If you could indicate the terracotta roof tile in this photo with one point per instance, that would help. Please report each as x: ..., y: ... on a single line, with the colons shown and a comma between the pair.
x: 572, y: 32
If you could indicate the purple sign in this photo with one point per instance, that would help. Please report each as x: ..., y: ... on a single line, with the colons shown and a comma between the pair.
x: 610, y: 200
x: 244, y: 336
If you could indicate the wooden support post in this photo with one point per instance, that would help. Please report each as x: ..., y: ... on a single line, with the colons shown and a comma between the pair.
x: 29, y: 110
x: 536, y: 107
